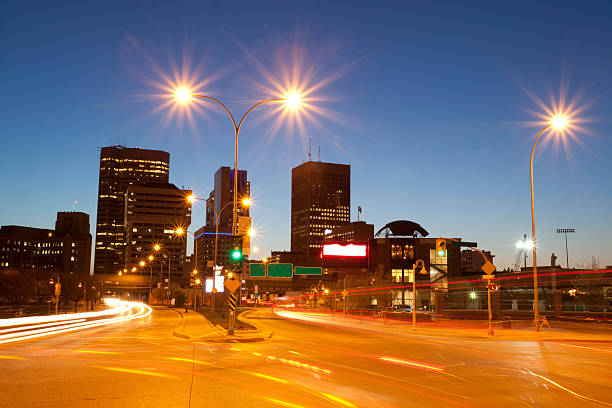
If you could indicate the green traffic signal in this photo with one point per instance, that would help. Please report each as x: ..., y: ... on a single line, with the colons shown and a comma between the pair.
x: 236, y: 254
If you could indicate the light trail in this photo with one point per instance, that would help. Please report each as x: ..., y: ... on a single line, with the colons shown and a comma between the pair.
x: 30, y: 329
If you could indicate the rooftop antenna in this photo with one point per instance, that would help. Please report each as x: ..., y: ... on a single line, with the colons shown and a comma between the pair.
x: 309, y: 148
x: 319, y: 152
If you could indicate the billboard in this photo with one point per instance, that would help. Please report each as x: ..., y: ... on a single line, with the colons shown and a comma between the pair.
x: 345, y: 255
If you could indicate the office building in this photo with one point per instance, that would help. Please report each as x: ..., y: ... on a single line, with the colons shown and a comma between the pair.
x: 472, y: 261
x: 320, y: 201
x: 205, y: 245
x: 153, y: 213
x: 120, y: 167
x: 222, y: 197
x: 65, y: 249
x: 354, y: 231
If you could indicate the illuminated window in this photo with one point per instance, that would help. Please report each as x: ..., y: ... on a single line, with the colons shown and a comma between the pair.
x: 396, y: 251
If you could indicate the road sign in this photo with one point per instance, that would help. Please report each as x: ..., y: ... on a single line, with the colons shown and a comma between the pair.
x: 232, y: 284
x: 232, y: 301
x: 488, y: 277
x: 280, y: 270
x: 464, y: 243
x: 257, y: 270
x: 307, y: 270
x: 488, y: 267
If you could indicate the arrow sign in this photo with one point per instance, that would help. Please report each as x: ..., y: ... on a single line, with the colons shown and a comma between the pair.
x: 232, y: 284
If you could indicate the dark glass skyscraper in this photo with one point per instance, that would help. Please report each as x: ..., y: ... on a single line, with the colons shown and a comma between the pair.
x: 119, y: 167
x: 320, y: 200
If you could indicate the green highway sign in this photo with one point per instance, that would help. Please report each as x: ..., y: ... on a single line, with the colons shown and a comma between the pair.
x: 307, y: 270
x: 257, y: 270
x: 280, y: 270
x: 464, y: 243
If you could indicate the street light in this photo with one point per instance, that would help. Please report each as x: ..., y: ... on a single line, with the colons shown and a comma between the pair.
x: 157, y: 248
x: 184, y: 95
x: 558, y: 122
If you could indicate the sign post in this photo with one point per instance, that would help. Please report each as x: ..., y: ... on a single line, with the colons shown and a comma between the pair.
x: 420, y: 265
x: 488, y: 278
x: 232, y: 285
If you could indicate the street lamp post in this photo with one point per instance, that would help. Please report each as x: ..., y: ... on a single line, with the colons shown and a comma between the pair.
x: 157, y: 248
x: 150, y: 258
x: 183, y: 95
x: 557, y: 122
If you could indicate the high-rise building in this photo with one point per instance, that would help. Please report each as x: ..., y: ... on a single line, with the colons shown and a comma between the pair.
x: 65, y: 249
x: 354, y: 231
x: 223, y: 194
x: 119, y: 167
x: 153, y: 214
x: 320, y: 201
x: 205, y: 242
x: 220, y: 204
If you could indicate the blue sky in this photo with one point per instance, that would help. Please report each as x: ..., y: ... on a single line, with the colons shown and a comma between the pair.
x: 428, y: 103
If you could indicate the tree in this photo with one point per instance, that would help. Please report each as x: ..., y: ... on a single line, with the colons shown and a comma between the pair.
x: 17, y: 286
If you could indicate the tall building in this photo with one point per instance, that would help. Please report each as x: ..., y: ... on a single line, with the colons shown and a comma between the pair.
x: 320, y: 201
x: 471, y: 261
x: 153, y: 213
x: 65, y: 249
x: 223, y: 194
x: 354, y: 231
x: 220, y: 203
x: 119, y: 167
x: 205, y: 242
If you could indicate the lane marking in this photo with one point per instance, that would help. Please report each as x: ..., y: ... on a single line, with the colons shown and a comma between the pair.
x: 411, y: 363
x: 133, y: 371
x: 12, y: 358
x: 566, y: 389
x: 269, y: 377
x: 338, y: 400
x: 96, y: 352
x: 284, y: 403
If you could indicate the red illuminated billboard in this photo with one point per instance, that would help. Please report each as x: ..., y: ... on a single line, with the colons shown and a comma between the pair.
x: 353, y: 250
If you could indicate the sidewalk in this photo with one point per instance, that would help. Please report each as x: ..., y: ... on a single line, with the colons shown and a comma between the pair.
x: 524, y: 333
x: 194, y: 326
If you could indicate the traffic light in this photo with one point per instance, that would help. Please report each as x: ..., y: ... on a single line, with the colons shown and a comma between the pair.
x: 236, y: 250
x: 440, y: 247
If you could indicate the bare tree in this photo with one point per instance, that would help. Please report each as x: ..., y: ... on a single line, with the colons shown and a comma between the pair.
x: 17, y: 286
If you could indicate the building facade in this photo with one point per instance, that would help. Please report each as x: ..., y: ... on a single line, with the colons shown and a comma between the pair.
x: 320, y: 201
x: 354, y: 231
x: 223, y: 197
x: 120, y: 167
x: 65, y: 249
x: 153, y: 212
x: 205, y: 246
x: 472, y: 261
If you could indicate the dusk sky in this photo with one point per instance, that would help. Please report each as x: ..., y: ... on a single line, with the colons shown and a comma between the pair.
x: 433, y: 104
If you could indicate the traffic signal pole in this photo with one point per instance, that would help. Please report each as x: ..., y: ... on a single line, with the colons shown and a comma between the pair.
x: 487, y: 268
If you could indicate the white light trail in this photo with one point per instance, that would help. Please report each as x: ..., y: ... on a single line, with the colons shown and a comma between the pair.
x: 69, y: 323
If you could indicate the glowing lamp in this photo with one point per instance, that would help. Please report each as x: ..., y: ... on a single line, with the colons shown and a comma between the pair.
x: 559, y: 122
x: 182, y: 95
x: 293, y: 100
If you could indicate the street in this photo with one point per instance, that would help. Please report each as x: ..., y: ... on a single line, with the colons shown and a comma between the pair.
x: 303, y: 364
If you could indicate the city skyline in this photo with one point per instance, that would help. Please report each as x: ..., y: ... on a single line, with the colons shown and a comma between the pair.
x: 473, y: 177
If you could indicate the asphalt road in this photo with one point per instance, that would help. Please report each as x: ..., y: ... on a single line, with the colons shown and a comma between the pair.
x: 140, y: 363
